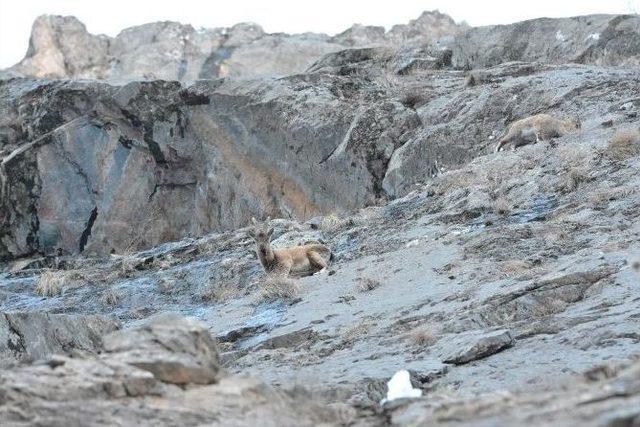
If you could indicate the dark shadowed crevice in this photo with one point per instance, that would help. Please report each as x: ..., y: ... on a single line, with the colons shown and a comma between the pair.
x: 212, y: 65
x: 87, y: 229
x: 16, y: 342
x: 154, y: 148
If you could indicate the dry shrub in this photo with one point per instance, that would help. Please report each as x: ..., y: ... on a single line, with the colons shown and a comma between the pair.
x: 278, y: 287
x: 571, y: 180
x: 52, y: 283
x: 569, y: 155
x: 425, y: 335
x: 624, y: 145
x: 367, y: 284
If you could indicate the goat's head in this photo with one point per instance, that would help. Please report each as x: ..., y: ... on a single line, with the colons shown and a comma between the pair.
x: 261, y: 233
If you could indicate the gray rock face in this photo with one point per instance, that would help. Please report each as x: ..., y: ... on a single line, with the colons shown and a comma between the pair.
x: 60, y: 47
x: 473, y: 346
x: 28, y: 336
x: 170, y: 161
x: 174, y: 349
x: 459, y: 124
x: 593, y: 39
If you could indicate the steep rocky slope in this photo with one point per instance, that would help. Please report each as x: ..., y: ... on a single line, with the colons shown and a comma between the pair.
x: 507, y: 283
x: 84, y: 162
x: 493, y: 284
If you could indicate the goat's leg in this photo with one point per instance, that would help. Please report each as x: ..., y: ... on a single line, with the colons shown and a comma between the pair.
x: 316, y: 260
x: 284, y: 267
x: 504, y: 141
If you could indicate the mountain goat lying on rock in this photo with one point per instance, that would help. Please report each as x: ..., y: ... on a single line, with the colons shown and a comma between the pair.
x: 541, y: 127
x: 294, y: 261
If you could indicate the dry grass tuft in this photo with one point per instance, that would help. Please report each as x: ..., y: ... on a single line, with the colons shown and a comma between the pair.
x: 111, y: 297
x: 367, y: 284
x: 278, y: 287
x: 351, y: 335
x: 166, y: 285
x: 425, y: 335
x: 624, y: 145
x: 413, y: 99
x: 448, y: 182
x: 221, y: 292
x: 548, y: 306
x: 332, y: 223
x: 475, y: 78
x: 52, y: 283
x: 501, y: 206
x: 514, y: 267
x: 601, y: 197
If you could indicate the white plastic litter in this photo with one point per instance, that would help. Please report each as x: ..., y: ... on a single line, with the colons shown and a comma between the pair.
x: 399, y: 387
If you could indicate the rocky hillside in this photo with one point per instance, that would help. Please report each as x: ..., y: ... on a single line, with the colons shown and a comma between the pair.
x: 506, y: 283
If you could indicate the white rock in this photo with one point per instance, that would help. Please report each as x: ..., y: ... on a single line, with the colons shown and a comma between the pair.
x: 399, y: 387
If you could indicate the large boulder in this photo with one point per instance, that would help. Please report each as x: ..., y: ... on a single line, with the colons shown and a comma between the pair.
x: 174, y: 349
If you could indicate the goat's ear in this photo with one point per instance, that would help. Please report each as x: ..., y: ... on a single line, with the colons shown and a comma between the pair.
x: 266, y: 221
x: 251, y: 233
x: 253, y: 221
x: 270, y: 232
